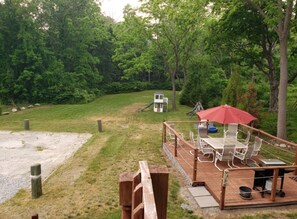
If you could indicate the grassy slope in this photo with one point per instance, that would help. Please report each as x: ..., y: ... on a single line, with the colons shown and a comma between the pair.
x: 86, y: 186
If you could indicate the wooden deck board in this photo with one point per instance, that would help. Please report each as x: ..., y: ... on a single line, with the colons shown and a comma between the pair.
x: 211, y: 177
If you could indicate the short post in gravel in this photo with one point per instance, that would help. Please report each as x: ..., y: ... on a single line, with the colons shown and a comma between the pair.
x: 99, y: 125
x: 36, y: 187
x: 26, y: 124
x: 35, y: 216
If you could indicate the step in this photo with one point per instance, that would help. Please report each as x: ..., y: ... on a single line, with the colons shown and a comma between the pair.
x: 203, y: 198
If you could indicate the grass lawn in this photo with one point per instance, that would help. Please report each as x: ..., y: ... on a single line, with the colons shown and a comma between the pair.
x: 86, y: 186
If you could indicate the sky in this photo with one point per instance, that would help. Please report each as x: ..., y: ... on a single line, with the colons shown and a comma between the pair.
x: 114, y: 8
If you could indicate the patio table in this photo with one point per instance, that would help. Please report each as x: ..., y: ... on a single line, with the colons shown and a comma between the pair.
x: 218, y: 143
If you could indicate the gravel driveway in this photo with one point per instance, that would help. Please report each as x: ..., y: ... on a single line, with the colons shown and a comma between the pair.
x: 20, y: 150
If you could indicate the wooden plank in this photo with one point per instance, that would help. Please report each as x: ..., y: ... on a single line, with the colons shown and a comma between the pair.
x: 150, y: 211
x: 160, y: 179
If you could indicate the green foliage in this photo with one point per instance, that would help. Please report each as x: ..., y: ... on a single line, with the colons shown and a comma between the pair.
x: 249, y: 101
x: 124, y: 87
x: 204, y: 83
x: 268, y: 122
x: 231, y: 93
x: 58, y: 65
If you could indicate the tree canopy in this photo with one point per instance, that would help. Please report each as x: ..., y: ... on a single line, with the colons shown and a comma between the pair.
x: 67, y: 51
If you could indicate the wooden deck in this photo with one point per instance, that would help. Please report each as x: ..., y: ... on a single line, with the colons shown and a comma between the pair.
x: 209, y: 176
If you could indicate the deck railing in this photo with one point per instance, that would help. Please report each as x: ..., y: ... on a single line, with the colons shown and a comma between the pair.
x: 178, y: 142
x: 226, y: 179
x: 144, y: 195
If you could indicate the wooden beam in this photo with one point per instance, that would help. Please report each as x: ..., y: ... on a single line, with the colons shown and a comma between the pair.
x: 150, y: 210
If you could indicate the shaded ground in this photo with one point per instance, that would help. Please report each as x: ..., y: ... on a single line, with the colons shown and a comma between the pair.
x: 20, y: 150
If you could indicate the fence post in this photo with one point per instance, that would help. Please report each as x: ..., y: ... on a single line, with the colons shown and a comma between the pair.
x: 223, y: 188
x: 26, y: 124
x: 295, y: 171
x: 164, y: 133
x: 35, y: 216
x: 126, y: 180
x: 274, y: 182
x: 175, y: 145
x: 195, y: 165
x: 36, y: 187
x: 99, y: 125
x: 160, y: 178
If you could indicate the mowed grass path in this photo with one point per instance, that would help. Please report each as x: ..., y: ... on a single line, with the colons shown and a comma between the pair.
x: 86, y: 186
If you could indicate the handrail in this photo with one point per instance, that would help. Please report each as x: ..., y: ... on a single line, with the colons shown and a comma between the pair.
x: 150, y: 211
x: 143, y: 195
x: 269, y: 135
x: 274, y: 177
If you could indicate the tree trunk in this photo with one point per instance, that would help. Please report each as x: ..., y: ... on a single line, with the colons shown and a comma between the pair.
x: 273, y: 95
x: 267, y: 46
x: 282, y: 96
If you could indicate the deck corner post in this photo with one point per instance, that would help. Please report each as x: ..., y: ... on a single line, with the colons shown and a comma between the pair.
x: 295, y: 171
x: 164, y: 133
x: 274, y: 182
x: 195, y: 165
x: 175, y: 145
x: 223, y: 188
x: 125, y: 190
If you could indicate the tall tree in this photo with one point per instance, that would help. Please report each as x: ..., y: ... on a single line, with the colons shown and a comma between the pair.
x: 132, y: 47
x: 22, y: 53
x: 174, y: 26
x: 278, y: 16
x: 244, y: 32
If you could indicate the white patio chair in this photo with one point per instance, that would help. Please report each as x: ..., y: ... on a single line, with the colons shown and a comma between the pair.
x: 257, y: 145
x: 202, y: 132
x: 251, y: 151
x: 245, y: 154
x: 232, y: 131
x: 204, y: 149
x: 247, y: 138
x: 171, y: 135
x: 226, y: 155
x: 192, y: 139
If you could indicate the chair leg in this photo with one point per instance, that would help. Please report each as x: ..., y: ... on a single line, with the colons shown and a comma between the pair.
x: 234, y: 164
x: 216, y: 160
x: 205, y: 160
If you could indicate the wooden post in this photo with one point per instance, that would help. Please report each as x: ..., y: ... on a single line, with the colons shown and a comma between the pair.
x: 36, y: 187
x: 126, y: 180
x: 160, y: 179
x: 223, y: 188
x: 195, y: 164
x: 137, y: 205
x: 26, y: 124
x: 164, y: 133
x: 35, y: 216
x: 273, y: 186
x: 295, y: 171
x: 175, y: 145
x: 99, y: 125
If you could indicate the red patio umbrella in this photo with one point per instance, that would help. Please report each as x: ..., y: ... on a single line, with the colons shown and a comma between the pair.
x: 226, y: 114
